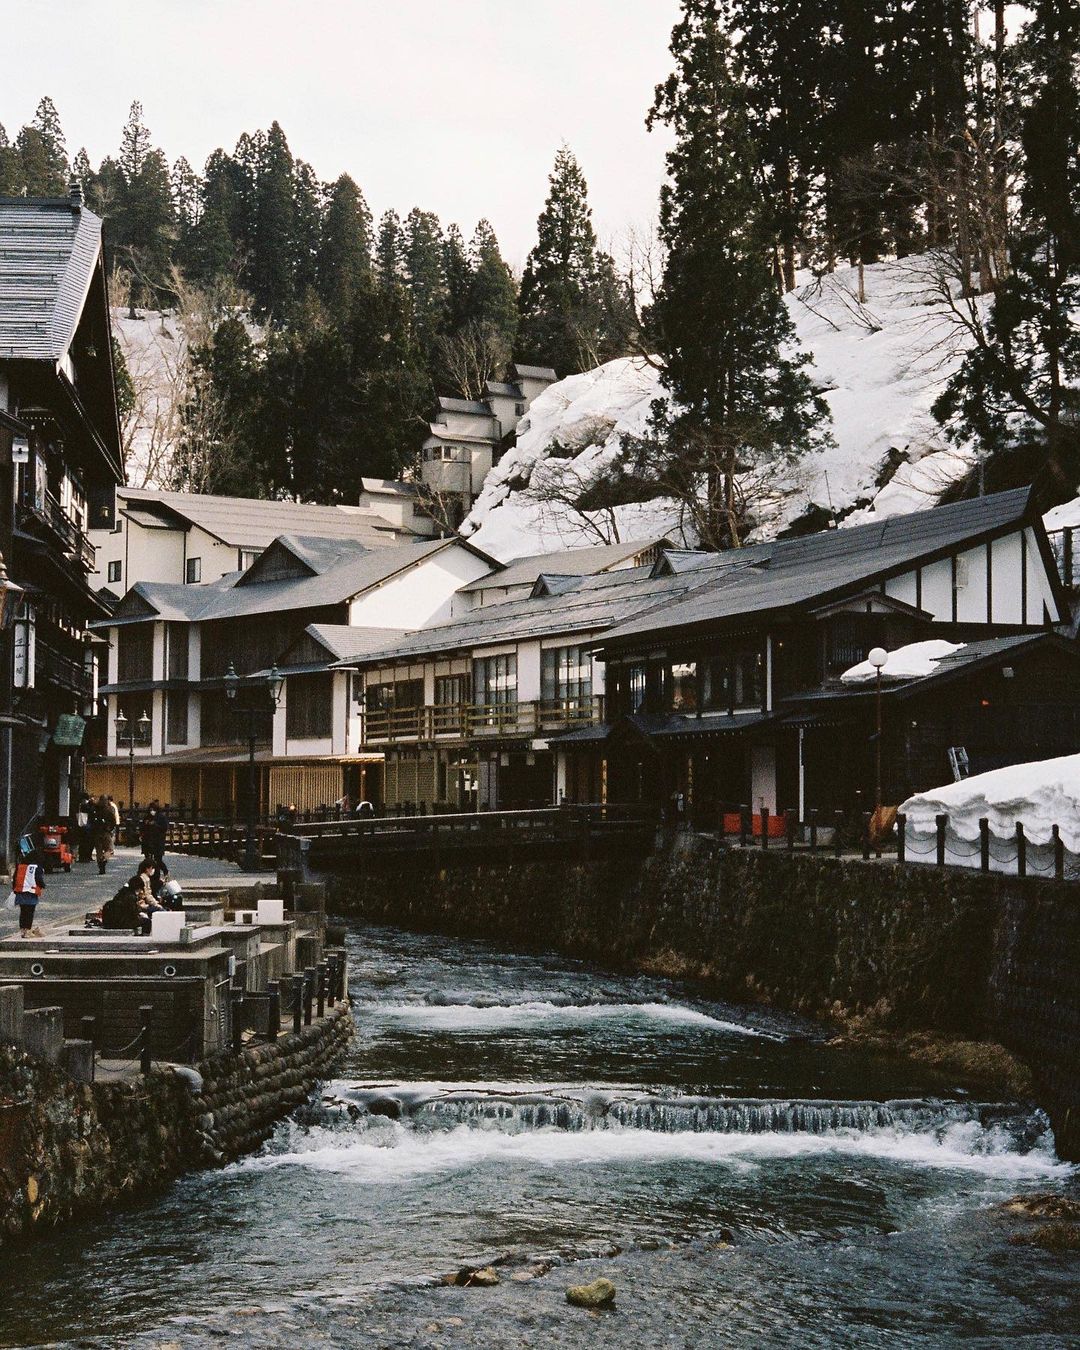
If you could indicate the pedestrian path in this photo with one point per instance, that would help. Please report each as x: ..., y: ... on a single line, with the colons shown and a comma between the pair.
x: 69, y: 895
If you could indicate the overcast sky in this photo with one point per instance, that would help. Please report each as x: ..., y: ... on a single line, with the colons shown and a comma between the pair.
x: 457, y: 106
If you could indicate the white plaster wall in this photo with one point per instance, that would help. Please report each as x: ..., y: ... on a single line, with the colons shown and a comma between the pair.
x: 1007, y: 598
x: 971, y: 599
x: 1039, y: 590
x: 528, y: 672
x: 937, y: 590
x: 420, y: 596
x: 903, y: 588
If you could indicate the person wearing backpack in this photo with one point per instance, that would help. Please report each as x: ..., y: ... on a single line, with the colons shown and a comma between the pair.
x: 27, y: 887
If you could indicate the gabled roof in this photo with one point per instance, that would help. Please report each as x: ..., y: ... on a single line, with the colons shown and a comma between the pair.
x: 578, y: 562
x: 534, y: 373
x: 355, y: 571
x: 388, y: 487
x: 500, y: 389
x: 790, y: 573
x: 343, y: 643
x: 251, y: 523
x: 49, y: 249
x: 470, y: 406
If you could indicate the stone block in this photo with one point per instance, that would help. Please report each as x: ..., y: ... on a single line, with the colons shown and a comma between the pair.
x: 43, y: 1033
x: 77, y: 1060
x: 11, y: 1014
x: 270, y: 911
x: 165, y: 926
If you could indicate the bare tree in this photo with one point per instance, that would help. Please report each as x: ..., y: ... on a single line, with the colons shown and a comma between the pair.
x: 473, y: 356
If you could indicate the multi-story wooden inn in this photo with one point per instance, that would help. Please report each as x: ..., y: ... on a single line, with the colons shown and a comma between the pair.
x: 60, y: 462
x: 717, y: 677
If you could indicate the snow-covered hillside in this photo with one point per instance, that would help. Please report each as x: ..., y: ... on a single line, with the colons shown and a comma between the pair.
x: 880, y: 364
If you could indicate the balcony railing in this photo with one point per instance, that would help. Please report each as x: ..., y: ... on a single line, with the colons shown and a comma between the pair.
x: 468, y: 721
x: 53, y: 667
x: 45, y: 508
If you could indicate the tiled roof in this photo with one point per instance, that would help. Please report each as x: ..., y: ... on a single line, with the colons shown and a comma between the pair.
x: 49, y: 248
x: 534, y: 373
x: 345, y: 643
x: 791, y: 572
x: 251, y: 523
x: 356, y: 570
x: 581, y: 562
x: 465, y: 405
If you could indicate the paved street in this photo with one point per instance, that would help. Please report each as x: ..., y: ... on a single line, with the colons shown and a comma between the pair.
x: 68, y: 895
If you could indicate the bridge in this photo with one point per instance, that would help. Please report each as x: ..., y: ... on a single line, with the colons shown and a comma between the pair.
x: 551, y: 830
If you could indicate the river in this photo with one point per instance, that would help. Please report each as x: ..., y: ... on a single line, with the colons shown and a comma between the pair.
x: 742, y: 1183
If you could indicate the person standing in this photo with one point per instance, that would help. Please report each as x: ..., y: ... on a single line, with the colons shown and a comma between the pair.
x: 82, y: 825
x: 104, y: 827
x: 27, y: 888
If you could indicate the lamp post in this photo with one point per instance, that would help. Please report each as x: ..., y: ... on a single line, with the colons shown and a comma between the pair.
x: 11, y: 596
x: 877, y: 656
x: 136, y: 736
x: 252, y: 710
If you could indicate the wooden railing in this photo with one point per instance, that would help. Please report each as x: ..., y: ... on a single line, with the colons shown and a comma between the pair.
x: 429, y: 722
x: 345, y: 840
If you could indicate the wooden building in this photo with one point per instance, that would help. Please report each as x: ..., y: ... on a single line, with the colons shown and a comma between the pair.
x: 60, y: 462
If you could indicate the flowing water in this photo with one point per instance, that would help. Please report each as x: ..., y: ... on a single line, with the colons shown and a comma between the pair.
x: 743, y: 1183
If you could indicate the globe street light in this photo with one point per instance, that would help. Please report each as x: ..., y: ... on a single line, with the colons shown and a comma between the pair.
x: 877, y: 656
x: 136, y: 736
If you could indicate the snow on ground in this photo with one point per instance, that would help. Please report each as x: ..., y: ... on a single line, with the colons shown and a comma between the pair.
x: 880, y: 363
x: 904, y: 663
x: 1039, y: 795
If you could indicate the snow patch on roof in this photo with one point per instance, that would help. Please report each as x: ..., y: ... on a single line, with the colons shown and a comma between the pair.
x: 904, y: 663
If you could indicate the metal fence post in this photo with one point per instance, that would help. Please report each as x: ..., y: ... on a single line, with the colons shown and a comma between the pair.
x: 321, y: 1005
x: 1021, y: 850
x: 984, y: 844
x: 237, y: 999
x: 273, y: 1016
x: 309, y: 994
x: 1059, y: 854
x: 331, y: 978
x: 297, y: 1002
x: 146, y: 1013
x: 941, y: 822
x: 901, y: 837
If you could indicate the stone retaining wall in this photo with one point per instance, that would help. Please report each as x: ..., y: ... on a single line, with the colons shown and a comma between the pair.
x: 69, y: 1149
x: 918, y: 948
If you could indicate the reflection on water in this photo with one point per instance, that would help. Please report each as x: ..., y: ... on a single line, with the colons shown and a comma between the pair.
x: 745, y: 1183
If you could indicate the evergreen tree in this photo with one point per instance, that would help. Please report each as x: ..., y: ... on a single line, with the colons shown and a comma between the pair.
x: 389, y: 251
x: 211, y: 248
x: 9, y: 165
x: 135, y: 143
x: 186, y: 196
x: 1017, y: 393
x: 308, y: 195
x: 457, y: 273
x: 560, y: 322
x: 344, y: 259
x: 741, y: 403
x: 81, y: 171
x: 493, y: 294
x: 424, y: 277
x: 272, y: 266
x: 46, y: 122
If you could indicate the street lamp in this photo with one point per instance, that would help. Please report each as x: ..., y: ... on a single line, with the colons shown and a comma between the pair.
x: 273, y: 683
x: 136, y: 736
x: 877, y: 656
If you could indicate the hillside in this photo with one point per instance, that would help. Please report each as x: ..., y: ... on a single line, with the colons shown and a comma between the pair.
x: 880, y: 365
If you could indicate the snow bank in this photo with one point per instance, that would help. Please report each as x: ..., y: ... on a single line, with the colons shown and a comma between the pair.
x: 1038, y: 795
x: 904, y: 663
x: 880, y: 364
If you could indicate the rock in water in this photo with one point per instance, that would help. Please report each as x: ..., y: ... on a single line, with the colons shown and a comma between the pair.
x: 599, y: 1294
x: 484, y: 1277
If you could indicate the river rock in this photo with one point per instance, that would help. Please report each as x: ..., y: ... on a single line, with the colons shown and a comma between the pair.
x: 599, y: 1294
x: 485, y: 1277
x: 1056, y: 1236
x: 385, y: 1106
x: 1043, y: 1205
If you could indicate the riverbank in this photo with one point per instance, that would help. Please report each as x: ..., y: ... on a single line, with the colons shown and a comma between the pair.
x: 68, y: 1150
x: 893, y: 949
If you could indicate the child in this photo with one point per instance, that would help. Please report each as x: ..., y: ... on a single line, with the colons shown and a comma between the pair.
x: 27, y: 887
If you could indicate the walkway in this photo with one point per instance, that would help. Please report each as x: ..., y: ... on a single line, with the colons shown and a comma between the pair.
x: 69, y: 895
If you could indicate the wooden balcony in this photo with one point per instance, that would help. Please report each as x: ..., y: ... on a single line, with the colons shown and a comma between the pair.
x: 49, y: 515
x: 436, y: 723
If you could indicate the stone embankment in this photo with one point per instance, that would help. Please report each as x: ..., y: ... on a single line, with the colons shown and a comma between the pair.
x: 69, y: 1149
x: 908, y: 949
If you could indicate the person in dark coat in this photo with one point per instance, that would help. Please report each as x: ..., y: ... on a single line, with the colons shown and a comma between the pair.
x: 122, y: 911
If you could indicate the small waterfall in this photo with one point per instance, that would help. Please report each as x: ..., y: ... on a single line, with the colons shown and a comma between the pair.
x: 584, y: 1110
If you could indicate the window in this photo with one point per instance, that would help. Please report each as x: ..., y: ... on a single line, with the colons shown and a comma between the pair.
x: 736, y: 680
x: 115, y: 569
x: 683, y: 686
x: 519, y: 409
x: 247, y: 557
x: 176, y: 649
x: 135, y: 652
x: 118, y: 525
x: 565, y: 675
x: 495, y: 679
x: 309, y: 706
x: 452, y: 690
x: 193, y: 571
x: 176, y: 717
x: 399, y: 694
x: 636, y: 686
